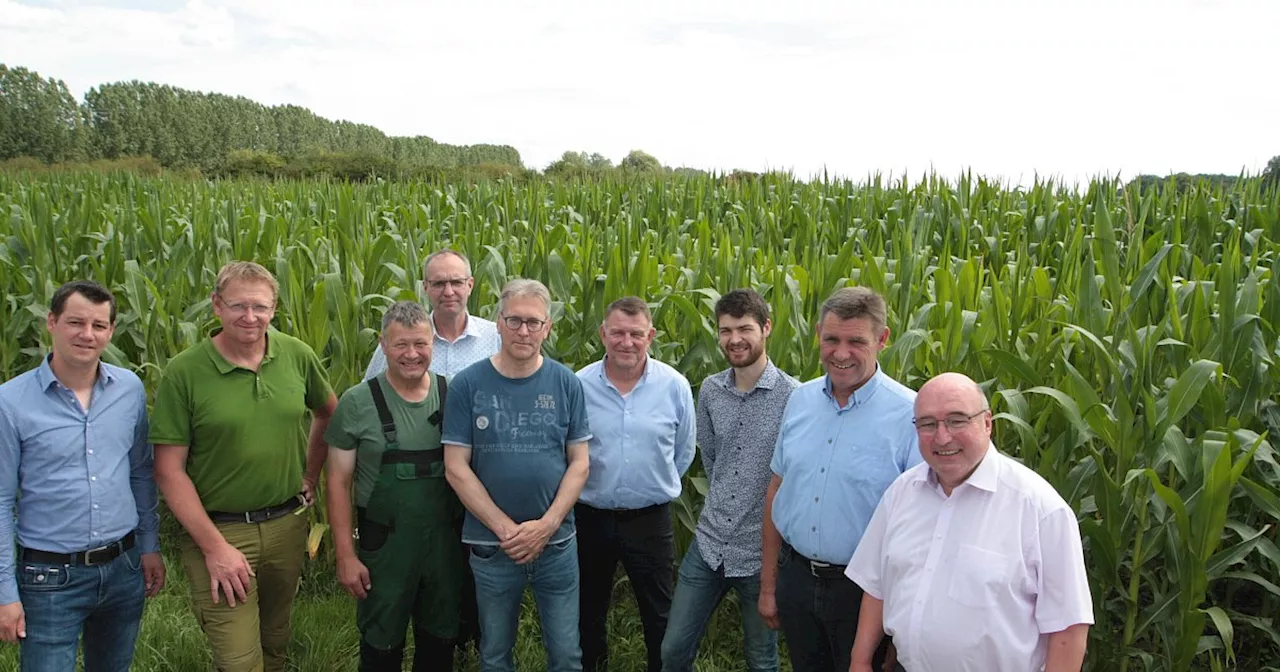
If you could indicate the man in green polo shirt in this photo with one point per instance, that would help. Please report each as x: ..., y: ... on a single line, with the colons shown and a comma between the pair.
x: 229, y: 435
x: 409, y: 564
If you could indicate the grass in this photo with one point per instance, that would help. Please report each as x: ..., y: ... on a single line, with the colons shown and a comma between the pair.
x: 325, y: 638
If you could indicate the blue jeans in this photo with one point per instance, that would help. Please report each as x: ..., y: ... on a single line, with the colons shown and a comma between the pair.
x: 105, y: 601
x: 698, y: 593
x: 500, y: 584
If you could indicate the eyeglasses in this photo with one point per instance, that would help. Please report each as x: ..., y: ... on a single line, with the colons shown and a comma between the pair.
x: 514, y: 323
x: 243, y: 308
x: 954, y: 423
x: 456, y: 283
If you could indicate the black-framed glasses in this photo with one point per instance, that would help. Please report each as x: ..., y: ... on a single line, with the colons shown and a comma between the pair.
x: 514, y: 323
x: 954, y: 423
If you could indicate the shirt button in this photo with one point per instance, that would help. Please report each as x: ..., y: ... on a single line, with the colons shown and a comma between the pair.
x: 815, y: 529
x: 822, y: 470
x: 815, y: 499
x: 93, y: 478
x: 828, y: 440
x: 90, y: 451
x: 95, y: 506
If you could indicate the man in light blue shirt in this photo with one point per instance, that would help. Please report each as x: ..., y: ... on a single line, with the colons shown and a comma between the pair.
x: 643, y: 422
x: 459, y: 338
x: 844, y: 438
x: 75, y: 461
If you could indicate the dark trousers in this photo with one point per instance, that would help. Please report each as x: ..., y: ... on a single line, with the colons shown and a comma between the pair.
x: 642, y: 540
x: 818, y: 610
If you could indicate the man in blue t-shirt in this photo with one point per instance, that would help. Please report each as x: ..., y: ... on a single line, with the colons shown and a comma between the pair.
x: 515, y: 436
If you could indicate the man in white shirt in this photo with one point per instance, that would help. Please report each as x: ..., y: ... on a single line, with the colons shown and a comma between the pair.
x: 972, y: 562
x: 459, y: 339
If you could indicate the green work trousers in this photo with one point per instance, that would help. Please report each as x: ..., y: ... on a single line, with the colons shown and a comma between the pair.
x: 252, y: 636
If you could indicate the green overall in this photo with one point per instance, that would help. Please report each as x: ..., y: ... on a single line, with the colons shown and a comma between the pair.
x: 408, y: 539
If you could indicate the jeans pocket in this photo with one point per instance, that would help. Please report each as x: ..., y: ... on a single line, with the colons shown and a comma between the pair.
x: 133, y: 558
x: 373, y: 536
x: 43, y: 578
x: 484, y: 553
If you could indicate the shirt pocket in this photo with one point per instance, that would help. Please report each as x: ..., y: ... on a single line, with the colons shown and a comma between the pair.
x: 980, y: 576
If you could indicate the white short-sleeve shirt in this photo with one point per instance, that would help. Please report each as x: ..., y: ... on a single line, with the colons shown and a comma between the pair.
x: 976, y: 581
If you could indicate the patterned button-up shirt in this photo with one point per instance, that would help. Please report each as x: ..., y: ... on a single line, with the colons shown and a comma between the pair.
x: 479, y: 340
x: 737, y: 432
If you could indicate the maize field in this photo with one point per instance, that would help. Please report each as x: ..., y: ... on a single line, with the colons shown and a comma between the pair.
x: 1127, y: 340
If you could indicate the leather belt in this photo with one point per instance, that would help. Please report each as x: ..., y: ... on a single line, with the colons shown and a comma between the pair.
x: 93, y: 556
x: 819, y: 569
x: 259, y: 516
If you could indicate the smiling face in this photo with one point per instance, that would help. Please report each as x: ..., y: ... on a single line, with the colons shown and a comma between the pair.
x: 626, y: 338
x: 742, y: 339
x: 849, y: 349
x: 245, y: 309
x: 408, y: 350
x: 953, y: 427
x: 81, y: 332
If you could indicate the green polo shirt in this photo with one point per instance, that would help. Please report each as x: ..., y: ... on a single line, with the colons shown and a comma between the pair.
x: 355, y: 425
x: 246, y: 431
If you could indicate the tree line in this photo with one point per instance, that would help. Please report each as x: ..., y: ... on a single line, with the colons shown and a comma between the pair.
x: 213, y: 132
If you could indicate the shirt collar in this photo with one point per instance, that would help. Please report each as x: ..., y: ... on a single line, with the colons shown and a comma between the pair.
x: 470, y: 328
x: 861, y: 395
x: 46, y: 377
x: 644, y: 377
x: 224, y: 367
x: 985, y: 477
x: 768, y: 378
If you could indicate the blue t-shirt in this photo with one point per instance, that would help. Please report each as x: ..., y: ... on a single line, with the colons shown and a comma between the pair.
x: 517, y: 430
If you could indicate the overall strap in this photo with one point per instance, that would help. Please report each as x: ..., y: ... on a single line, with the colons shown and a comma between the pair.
x: 384, y: 413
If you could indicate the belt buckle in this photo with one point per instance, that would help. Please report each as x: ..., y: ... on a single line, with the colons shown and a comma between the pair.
x: 88, y: 555
x: 248, y: 517
x: 815, y: 565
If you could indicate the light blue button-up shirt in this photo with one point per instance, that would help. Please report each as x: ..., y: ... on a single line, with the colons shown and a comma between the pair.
x: 479, y: 340
x: 643, y: 442
x: 835, y: 462
x: 82, y: 479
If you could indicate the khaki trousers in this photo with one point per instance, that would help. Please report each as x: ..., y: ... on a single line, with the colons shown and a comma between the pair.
x: 254, y: 635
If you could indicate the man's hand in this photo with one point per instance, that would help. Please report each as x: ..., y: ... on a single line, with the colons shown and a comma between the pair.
x: 354, y: 576
x: 13, y: 622
x: 528, y: 541
x: 230, y: 571
x: 308, y: 490
x: 153, y: 573
x: 767, y: 605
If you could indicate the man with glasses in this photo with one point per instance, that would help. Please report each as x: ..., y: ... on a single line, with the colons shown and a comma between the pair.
x: 844, y: 438
x: 75, y: 462
x: 237, y: 467
x: 643, y: 432
x: 515, y: 436
x: 972, y: 561
x: 459, y: 338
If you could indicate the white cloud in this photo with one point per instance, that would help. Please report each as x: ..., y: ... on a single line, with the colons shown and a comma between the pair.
x: 1006, y: 87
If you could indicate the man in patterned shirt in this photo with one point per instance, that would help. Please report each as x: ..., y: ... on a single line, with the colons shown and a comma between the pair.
x: 739, y: 412
x: 460, y: 339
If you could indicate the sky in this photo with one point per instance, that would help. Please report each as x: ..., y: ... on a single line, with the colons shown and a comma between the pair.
x: 1009, y: 89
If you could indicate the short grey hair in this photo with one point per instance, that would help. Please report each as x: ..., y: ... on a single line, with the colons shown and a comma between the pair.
x: 407, y: 314
x: 849, y: 303
x: 446, y: 252
x: 524, y: 288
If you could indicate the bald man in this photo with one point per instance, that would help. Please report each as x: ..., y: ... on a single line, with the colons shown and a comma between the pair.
x: 971, y: 562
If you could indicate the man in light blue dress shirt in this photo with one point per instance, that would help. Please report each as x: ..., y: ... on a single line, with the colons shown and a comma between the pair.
x: 643, y: 422
x: 75, y: 461
x: 459, y: 338
x: 845, y: 437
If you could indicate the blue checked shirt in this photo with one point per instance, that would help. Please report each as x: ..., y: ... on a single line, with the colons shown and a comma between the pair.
x: 836, y: 462
x: 79, y: 480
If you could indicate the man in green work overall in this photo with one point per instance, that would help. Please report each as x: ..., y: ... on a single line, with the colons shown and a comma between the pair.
x: 406, y: 560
